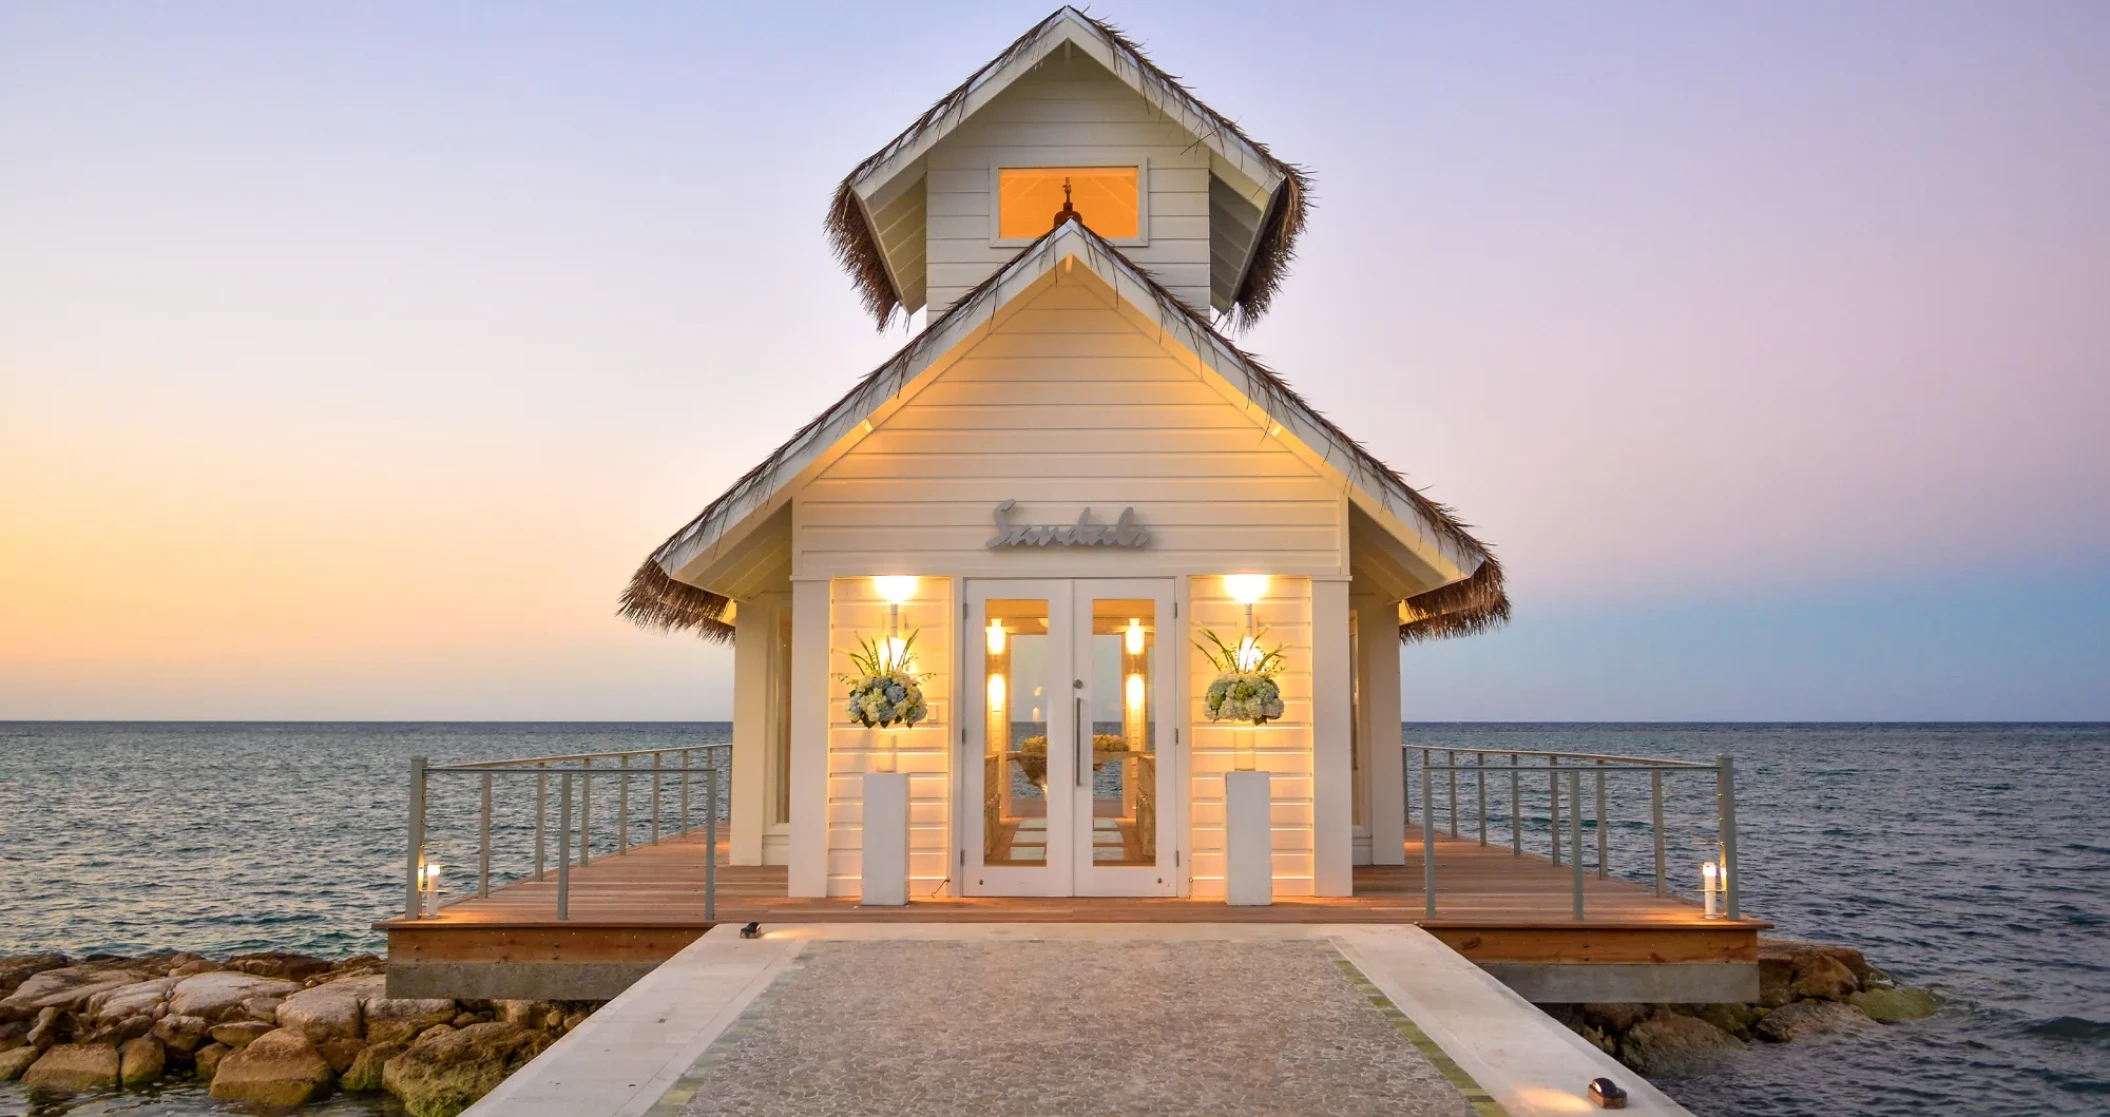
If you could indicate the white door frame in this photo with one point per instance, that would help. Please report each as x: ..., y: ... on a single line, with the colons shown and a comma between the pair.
x: 1069, y: 870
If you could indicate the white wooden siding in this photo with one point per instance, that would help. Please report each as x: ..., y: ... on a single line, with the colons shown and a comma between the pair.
x: 1069, y: 111
x: 1063, y: 405
x: 855, y: 610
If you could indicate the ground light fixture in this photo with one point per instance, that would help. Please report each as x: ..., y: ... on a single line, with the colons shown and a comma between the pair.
x: 1607, y: 1094
x: 429, y: 884
x: 1710, y: 885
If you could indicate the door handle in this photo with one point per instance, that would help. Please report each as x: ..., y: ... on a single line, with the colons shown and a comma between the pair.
x: 1077, y: 739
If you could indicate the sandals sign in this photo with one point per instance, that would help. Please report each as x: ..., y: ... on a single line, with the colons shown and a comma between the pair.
x: 1123, y: 532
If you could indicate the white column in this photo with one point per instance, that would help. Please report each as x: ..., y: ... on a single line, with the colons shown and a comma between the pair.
x: 1249, y: 839
x: 1378, y: 622
x: 754, y: 631
x: 808, y: 875
x: 885, y: 860
x: 1333, y: 772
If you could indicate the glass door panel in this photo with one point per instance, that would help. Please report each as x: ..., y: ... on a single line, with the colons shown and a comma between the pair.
x: 1015, y: 754
x: 1121, y: 848
x: 1017, y: 830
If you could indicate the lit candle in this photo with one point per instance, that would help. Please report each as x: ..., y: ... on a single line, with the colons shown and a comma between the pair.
x: 1709, y: 881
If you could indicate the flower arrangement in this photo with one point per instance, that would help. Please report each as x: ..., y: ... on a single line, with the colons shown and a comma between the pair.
x: 1244, y: 688
x: 883, y: 691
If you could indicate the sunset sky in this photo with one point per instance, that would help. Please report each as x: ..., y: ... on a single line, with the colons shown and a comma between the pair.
x: 352, y: 357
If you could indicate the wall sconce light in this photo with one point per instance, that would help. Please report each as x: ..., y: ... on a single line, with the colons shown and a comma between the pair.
x: 1135, y: 692
x: 1246, y: 589
x: 996, y: 694
x: 1710, y: 883
x: 996, y: 637
x: 1135, y: 636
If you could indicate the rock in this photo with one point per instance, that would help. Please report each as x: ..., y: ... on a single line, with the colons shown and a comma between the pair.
x: 1615, y: 1017
x: 16, y: 1060
x: 445, y: 1075
x: 437, y: 1031
x: 131, y: 1027
x: 212, y: 995
x: 397, y: 1020
x: 1805, y: 1019
x: 341, y: 1052
x: 137, y: 999
x: 1736, y: 1019
x: 1674, y: 1044
x: 1793, y: 968
x: 241, y: 1033
x: 54, y: 1026
x: 262, y: 1008
x: 281, y: 1069
x: 74, y: 1068
x: 194, y: 966
x: 574, y: 1020
x: 13, y: 1034
x: 1823, y: 977
x: 1893, y: 1004
x: 278, y: 963
x: 364, y: 1075
x: 18, y: 968
x: 183, y: 1034
x: 365, y: 965
x: 140, y: 1061
x: 207, y: 1059
x: 65, y: 987
x: 331, y: 1011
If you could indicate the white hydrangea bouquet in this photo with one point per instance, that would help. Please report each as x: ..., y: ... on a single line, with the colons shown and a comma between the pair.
x: 1244, y: 688
x: 883, y: 691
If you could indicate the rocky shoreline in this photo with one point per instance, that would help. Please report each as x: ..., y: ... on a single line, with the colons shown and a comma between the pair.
x: 1806, y: 990
x: 271, y: 1030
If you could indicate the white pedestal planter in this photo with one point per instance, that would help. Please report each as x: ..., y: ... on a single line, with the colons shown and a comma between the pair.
x: 885, y: 838
x: 1249, y: 874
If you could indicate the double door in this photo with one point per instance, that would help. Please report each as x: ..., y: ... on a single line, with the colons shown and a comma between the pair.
x: 1070, y: 775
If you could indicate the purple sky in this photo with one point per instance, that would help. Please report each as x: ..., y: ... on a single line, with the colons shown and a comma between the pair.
x: 351, y: 358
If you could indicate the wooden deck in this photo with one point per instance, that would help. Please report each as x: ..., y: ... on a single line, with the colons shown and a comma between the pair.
x: 1492, y: 906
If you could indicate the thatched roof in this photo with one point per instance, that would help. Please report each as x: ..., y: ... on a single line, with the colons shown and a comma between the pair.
x: 850, y: 232
x: 1477, y: 603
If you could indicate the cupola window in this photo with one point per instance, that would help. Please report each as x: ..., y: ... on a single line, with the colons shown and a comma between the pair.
x: 1031, y: 200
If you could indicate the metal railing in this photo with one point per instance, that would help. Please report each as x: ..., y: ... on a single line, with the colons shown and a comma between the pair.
x: 1576, y: 766
x: 670, y: 771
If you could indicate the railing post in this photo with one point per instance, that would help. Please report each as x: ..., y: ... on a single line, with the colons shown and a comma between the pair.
x: 1553, y: 803
x: 1516, y: 809
x: 1725, y: 793
x: 483, y: 843
x: 1451, y: 770
x: 564, y: 843
x: 1602, y: 829
x: 655, y: 797
x: 1406, y: 785
x: 710, y: 842
x: 414, y: 859
x: 586, y: 814
x: 1480, y: 791
x: 541, y: 818
x: 622, y: 809
x: 1655, y: 795
x: 685, y: 791
x: 1428, y: 840
x: 1575, y: 835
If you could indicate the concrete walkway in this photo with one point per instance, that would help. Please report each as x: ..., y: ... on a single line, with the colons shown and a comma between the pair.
x: 1066, y: 1018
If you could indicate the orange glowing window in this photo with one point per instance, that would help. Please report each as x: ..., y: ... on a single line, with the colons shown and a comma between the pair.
x: 1105, y: 199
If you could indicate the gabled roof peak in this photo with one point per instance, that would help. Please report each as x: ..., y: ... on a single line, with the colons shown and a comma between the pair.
x: 850, y: 227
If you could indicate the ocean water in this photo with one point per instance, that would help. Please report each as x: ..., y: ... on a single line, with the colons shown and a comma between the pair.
x: 1974, y: 859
